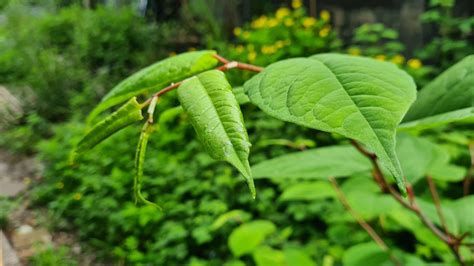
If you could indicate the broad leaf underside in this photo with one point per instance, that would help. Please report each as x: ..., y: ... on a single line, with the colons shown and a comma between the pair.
x: 360, y: 98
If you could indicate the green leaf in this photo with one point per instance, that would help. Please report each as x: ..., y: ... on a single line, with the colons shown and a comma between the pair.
x: 234, y: 215
x: 265, y: 256
x: 430, y: 159
x: 139, y: 161
x: 297, y: 257
x: 240, y: 95
x: 336, y: 161
x: 156, y: 77
x: 308, y: 191
x: 217, y: 119
x: 359, y: 98
x: 366, y: 254
x: 371, y: 205
x: 245, y: 238
x: 462, y: 210
x: 447, y: 99
x: 123, y: 117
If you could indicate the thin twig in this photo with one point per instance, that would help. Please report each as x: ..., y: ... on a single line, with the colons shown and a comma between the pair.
x: 452, y: 242
x: 377, y: 239
x: 470, y: 172
x: 437, y: 202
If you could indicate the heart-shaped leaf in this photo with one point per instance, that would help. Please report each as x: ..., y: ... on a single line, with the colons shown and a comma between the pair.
x: 123, y: 117
x: 217, y: 119
x: 360, y: 98
x: 156, y: 77
x: 447, y: 99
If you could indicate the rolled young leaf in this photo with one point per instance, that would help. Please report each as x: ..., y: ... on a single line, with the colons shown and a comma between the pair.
x: 217, y: 119
x: 139, y: 161
x: 123, y: 117
x: 156, y: 77
x: 360, y: 98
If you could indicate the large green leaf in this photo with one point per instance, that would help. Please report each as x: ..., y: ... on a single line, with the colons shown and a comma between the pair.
x: 449, y: 98
x: 245, y: 238
x: 123, y: 117
x: 366, y: 254
x: 336, y: 161
x: 157, y: 76
x: 463, y: 211
x: 360, y: 98
x: 217, y: 119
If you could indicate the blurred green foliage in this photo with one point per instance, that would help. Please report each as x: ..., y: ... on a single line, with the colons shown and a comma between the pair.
x: 68, y: 58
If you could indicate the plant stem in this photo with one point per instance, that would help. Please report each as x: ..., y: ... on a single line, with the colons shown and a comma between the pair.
x: 470, y: 172
x: 379, y: 177
x: 437, y: 202
x: 226, y: 66
x: 377, y: 239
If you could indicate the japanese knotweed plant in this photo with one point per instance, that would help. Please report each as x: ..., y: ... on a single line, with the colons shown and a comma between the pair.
x: 357, y: 97
x: 360, y: 98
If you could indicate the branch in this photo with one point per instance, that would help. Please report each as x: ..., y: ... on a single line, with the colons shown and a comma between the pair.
x: 437, y: 202
x: 377, y: 239
x: 470, y: 172
x: 453, y: 243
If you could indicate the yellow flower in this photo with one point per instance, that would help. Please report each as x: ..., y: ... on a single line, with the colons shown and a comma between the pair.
x: 308, y: 22
x: 289, y: 22
x: 251, y: 56
x: 325, y: 15
x: 282, y: 12
x: 398, y: 59
x: 272, y: 22
x: 77, y: 196
x: 172, y: 54
x: 296, y: 4
x: 414, y: 63
x: 191, y: 49
x: 279, y: 44
x: 237, y: 31
x: 380, y: 57
x: 354, y: 51
x: 246, y: 34
x: 259, y: 22
x: 268, y: 49
x: 60, y: 185
x: 324, y: 31
x: 239, y: 49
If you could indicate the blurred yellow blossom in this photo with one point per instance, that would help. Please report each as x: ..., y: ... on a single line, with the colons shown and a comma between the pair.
x: 245, y: 34
x: 282, y: 12
x: 414, y: 63
x: 251, y: 56
x: 398, y: 59
x: 59, y: 185
x: 380, y: 57
x: 259, y: 22
x: 172, y: 54
x: 296, y: 4
x: 192, y: 49
x: 279, y: 44
x: 354, y: 51
x: 268, y: 49
x: 237, y: 31
x: 239, y: 49
x: 272, y: 22
x: 325, y: 15
x: 308, y: 22
x: 324, y: 31
x: 289, y: 22
x: 77, y: 196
